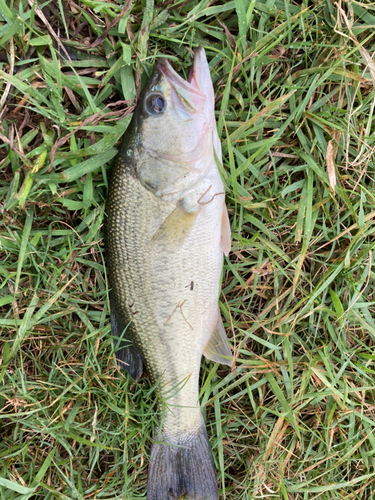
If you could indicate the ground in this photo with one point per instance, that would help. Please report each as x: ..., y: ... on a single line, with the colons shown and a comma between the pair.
x: 294, y: 84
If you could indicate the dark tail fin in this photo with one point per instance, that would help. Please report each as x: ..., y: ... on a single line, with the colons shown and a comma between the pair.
x: 184, y: 466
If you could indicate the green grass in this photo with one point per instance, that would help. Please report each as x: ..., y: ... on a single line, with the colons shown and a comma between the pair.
x: 296, y: 418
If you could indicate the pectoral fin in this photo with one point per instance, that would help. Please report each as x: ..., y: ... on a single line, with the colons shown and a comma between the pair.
x: 127, y: 354
x: 176, y: 228
x: 225, y: 231
x: 218, y: 349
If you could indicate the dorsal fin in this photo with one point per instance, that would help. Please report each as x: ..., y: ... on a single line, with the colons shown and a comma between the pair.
x: 127, y: 354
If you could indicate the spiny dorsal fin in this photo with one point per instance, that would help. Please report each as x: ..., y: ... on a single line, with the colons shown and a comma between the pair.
x: 218, y: 349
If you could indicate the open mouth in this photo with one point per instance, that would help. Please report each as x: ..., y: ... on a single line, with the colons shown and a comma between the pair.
x: 190, y: 90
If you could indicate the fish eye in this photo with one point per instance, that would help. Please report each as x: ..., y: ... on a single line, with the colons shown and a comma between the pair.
x: 155, y: 104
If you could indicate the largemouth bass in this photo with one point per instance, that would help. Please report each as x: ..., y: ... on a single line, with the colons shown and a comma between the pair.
x: 166, y: 231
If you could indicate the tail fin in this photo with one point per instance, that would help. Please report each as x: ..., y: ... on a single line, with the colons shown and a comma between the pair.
x: 184, y: 466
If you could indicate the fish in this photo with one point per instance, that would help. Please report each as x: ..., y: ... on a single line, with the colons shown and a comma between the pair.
x: 166, y: 232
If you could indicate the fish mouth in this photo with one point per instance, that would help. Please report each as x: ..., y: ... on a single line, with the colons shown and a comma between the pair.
x: 191, y: 92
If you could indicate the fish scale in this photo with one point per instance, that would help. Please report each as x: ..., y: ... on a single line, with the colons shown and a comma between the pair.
x: 148, y: 285
x: 164, y: 246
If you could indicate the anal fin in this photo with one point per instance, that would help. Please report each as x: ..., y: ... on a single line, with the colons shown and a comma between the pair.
x: 217, y: 349
x: 127, y: 354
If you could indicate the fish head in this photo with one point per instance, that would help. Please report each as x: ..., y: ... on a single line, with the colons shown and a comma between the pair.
x: 175, y: 120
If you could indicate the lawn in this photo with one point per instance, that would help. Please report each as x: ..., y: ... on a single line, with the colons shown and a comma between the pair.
x: 295, y: 96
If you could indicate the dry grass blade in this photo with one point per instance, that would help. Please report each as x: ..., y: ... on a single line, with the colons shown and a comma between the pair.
x: 331, y: 165
x: 40, y: 14
x: 113, y: 23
